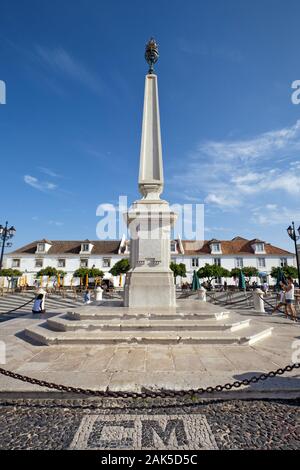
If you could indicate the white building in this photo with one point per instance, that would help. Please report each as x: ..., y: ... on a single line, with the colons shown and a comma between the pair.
x: 68, y: 256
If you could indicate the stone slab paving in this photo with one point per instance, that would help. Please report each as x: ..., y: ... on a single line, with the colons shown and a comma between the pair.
x: 159, y: 424
x: 130, y: 367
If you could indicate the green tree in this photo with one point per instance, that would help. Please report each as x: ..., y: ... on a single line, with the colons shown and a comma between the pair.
x: 10, y: 273
x: 287, y: 270
x: 51, y: 272
x: 248, y: 271
x: 235, y: 272
x: 121, y: 267
x: 91, y: 272
x: 178, y: 270
x: 212, y: 272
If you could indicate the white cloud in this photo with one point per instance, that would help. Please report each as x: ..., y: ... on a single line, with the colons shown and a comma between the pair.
x: 257, y: 147
x: 269, y: 180
x: 62, y: 62
x: 271, y: 214
x: 56, y: 223
x: 49, y: 172
x: 221, y: 200
x: 37, y: 184
x: 229, y: 174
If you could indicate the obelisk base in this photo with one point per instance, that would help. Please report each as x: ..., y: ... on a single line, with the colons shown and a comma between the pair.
x: 155, y: 289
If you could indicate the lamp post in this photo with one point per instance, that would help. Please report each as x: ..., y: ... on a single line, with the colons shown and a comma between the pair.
x: 5, y: 234
x: 292, y: 234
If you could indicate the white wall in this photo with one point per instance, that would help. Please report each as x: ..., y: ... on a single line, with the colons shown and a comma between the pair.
x: 228, y: 262
x: 27, y: 266
x: 73, y: 263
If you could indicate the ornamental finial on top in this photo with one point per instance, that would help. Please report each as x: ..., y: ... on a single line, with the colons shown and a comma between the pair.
x: 151, y: 54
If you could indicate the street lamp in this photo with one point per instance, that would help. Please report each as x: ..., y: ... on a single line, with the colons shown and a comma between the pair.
x: 5, y: 234
x: 292, y: 234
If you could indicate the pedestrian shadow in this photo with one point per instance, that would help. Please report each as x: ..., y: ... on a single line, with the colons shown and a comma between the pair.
x: 271, y: 384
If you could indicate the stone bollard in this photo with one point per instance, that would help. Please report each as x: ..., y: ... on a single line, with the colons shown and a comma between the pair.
x: 98, y: 293
x: 258, y: 302
x: 202, y: 294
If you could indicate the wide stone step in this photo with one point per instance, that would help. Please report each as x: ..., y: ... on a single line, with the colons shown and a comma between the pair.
x: 121, y: 314
x: 44, y: 335
x: 63, y: 323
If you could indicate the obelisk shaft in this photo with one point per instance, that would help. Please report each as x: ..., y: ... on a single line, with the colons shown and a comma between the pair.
x: 151, y: 165
x: 150, y: 281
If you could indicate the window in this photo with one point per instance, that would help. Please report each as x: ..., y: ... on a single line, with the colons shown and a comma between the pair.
x: 239, y: 263
x: 173, y: 247
x: 106, y: 262
x: 261, y: 262
x: 61, y: 263
x: 84, y: 262
x: 217, y: 261
x: 38, y: 263
x: 216, y: 247
x: 85, y: 247
x: 283, y: 262
x: 259, y: 247
x: 41, y: 247
x: 195, y: 262
x: 15, y: 263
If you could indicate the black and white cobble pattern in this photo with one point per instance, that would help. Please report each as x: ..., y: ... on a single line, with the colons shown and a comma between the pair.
x: 80, y: 424
x: 179, y: 431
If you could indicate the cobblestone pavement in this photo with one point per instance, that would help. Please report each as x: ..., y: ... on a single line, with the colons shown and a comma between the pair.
x: 82, y: 424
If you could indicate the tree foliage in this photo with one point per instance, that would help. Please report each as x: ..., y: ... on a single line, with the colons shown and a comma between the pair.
x: 178, y: 269
x: 287, y: 270
x: 212, y: 271
x: 51, y: 272
x: 248, y: 271
x: 10, y: 272
x: 91, y: 272
x: 121, y: 267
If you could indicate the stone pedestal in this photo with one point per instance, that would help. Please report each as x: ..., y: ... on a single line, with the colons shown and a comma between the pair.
x: 150, y: 282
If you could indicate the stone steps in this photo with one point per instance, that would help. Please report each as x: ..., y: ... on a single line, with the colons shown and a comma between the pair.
x: 120, y: 314
x: 65, y: 323
x: 109, y: 323
x: 44, y: 335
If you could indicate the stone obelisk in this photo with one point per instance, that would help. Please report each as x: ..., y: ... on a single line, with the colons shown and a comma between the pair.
x: 150, y: 282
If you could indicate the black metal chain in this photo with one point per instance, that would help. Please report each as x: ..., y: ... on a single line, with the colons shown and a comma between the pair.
x: 18, y: 308
x: 270, y: 305
x: 49, y: 296
x: 228, y: 303
x: 148, y: 393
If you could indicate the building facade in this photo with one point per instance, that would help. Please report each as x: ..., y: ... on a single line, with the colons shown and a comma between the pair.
x: 69, y: 256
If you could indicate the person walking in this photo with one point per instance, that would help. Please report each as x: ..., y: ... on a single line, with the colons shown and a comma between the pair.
x: 290, y: 298
x: 265, y: 287
x: 87, y: 297
x: 282, y: 302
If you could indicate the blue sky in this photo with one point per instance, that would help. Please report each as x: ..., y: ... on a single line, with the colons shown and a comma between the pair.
x: 70, y: 131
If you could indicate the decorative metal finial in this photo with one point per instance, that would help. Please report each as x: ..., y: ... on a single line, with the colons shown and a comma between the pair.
x: 151, y: 54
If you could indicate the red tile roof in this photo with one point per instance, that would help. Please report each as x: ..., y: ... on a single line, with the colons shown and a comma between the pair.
x: 66, y: 247
x: 237, y: 246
